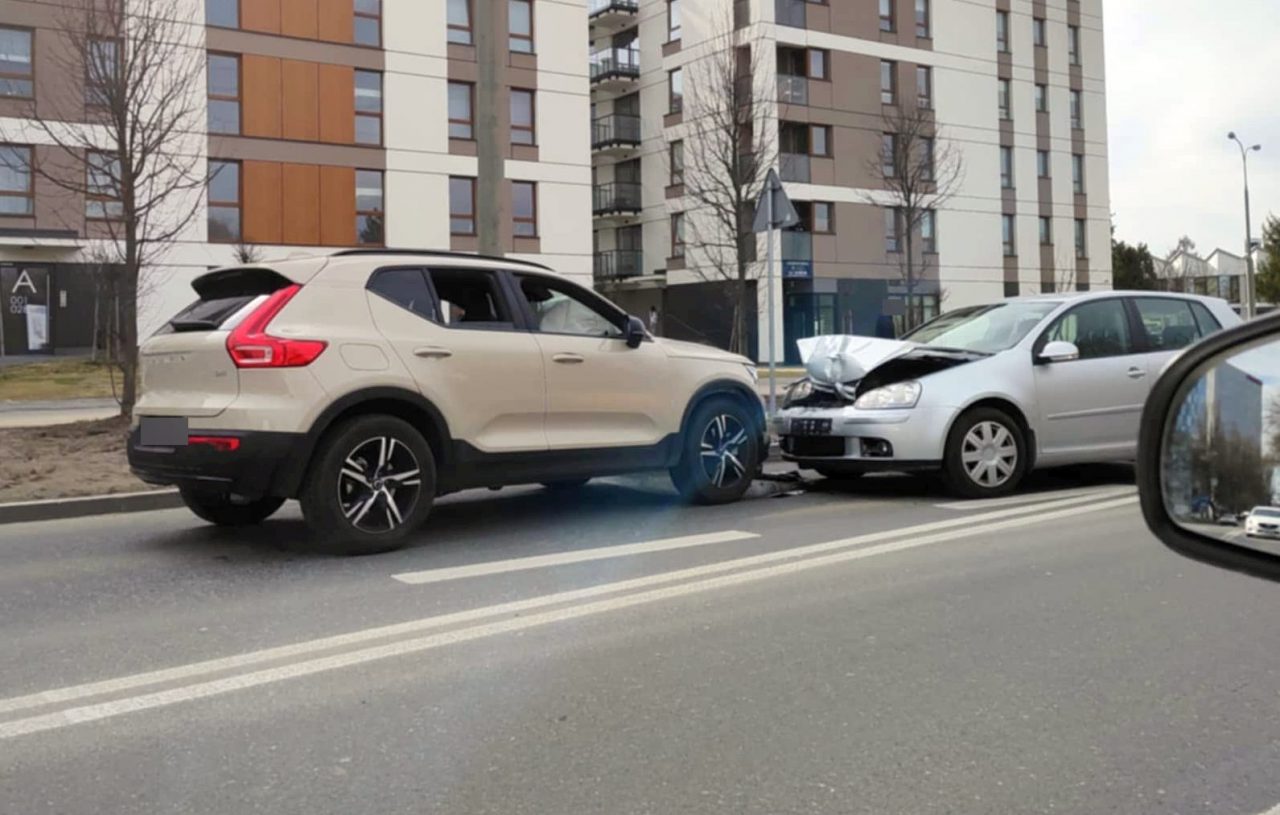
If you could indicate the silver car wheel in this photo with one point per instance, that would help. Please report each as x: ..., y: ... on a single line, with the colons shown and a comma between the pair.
x: 379, y: 484
x: 722, y: 444
x: 989, y: 454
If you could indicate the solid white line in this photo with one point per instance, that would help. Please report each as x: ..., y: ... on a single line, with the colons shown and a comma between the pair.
x: 1031, y: 498
x: 104, y: 710
x: 566, y: 558
x: 306, y: 648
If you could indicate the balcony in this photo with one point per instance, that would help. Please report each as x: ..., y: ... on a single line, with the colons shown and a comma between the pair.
x: 793, y: 90
x: 619, y: 264
x: 613, y: 15
x: 615, y: 69
x: 794, y: 167
x: 615, y: 133
x: 616, y: 199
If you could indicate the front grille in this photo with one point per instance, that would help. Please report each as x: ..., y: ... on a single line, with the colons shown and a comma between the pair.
x: 820, y: 399
x: 814, y: 446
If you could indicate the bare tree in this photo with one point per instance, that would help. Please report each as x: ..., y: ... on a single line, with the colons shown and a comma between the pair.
x: 920, y: 170
x: 126, y: 142
x: 246, y: 253
x: 728, y: 149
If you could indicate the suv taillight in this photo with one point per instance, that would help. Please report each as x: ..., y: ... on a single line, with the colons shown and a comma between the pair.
x: 251, y: 346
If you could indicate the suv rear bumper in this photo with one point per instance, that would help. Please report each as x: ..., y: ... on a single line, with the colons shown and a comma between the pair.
x: 265, y: 463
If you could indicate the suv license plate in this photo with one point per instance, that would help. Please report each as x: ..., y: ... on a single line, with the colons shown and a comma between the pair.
x: 163, y: 431
x: 810, y: 427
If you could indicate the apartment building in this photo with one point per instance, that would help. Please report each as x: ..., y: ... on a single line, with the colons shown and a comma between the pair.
x: 1015, y: 87
x: 330, y: 124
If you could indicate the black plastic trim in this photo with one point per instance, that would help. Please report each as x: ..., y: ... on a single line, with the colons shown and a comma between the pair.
x: 476, y: 468
x: 253, y: 470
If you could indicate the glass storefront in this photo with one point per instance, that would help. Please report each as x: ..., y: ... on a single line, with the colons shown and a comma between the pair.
x: 873, y: 308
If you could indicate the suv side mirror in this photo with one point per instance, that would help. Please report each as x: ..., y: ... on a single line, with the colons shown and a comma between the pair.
x: 1058, y: 351
x: 1209, y: 451
x: 636, y: 332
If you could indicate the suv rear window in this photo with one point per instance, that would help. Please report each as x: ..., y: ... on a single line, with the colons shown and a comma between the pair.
x: 224, y: 294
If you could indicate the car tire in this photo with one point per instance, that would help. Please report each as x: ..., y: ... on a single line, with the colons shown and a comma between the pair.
x: 986, y: 454
x: 567, y: 485
x: 371, y: 483
x: 719, y: 455
x: 222, y: 510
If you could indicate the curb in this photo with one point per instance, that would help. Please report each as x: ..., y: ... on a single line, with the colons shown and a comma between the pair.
x: 57, y: 509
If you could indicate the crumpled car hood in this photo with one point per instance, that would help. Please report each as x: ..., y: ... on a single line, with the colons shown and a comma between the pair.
x: 847, y: 358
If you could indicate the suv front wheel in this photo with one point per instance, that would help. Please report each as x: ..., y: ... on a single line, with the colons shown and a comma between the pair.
x: 720, y: 453
x: 371, y: 483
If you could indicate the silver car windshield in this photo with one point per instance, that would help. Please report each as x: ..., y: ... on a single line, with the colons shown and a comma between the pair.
x: 983, y: 329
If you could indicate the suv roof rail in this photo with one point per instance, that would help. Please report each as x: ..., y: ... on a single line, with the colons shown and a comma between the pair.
x: 440, y: 253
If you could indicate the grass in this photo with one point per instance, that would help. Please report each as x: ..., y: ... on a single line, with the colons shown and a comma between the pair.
x: 57, y: 379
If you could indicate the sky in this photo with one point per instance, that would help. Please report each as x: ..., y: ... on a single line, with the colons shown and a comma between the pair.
x: 1181, y: 74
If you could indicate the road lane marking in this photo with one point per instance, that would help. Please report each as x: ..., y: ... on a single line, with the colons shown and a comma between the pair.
x: 566, y: 558
x: 1031, y: 498
x: 74, y: 692
x: 201, y: 690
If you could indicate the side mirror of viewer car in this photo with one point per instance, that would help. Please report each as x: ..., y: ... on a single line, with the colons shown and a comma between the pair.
x: 1209, y: 451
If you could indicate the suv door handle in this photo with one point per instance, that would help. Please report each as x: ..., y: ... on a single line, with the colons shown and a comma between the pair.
x: 432, y: 352
x: 1137, y: 373
x: 569, y: 359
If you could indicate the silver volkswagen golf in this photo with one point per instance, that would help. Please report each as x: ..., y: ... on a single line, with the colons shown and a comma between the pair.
x: 987, y: 393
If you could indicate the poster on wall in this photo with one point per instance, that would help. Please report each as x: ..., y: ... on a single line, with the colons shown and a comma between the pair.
x: 25, y: 323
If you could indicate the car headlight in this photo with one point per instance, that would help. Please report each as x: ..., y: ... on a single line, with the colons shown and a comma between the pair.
x: 753, y: 372
x: 798, y: 392
x: 897, y: 395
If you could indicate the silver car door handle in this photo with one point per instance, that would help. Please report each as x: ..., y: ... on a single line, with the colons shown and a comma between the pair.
x: 1137, y: 373
x: 432, y: 352
x: 569, y: 359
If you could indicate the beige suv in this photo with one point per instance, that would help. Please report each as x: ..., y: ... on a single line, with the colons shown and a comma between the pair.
x: 366, y: 383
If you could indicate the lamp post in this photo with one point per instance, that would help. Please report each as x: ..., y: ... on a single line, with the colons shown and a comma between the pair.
x: 1249, y: 306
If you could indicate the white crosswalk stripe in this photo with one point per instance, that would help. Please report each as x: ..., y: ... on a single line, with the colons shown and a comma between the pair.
x: 1037, y: 497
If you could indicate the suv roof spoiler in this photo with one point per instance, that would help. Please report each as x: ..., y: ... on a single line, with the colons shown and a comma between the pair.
x: 346, y: 253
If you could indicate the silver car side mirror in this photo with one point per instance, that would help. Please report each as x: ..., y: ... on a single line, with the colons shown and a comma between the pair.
x: 1209, y: 451
x: 1059, y: 351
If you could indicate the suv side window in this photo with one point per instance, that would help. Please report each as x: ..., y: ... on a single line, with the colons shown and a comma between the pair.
x: 406, y: 288
x: 1169, y: 323
x: 1099, y: 329
x: 470, y: 299
x: 562, y: 308
x: 1207, y: 322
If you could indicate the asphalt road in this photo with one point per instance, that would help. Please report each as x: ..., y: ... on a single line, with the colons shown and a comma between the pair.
x: 873, y: 648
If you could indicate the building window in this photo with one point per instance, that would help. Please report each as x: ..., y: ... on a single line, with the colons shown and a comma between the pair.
x: 16, y: 192
x: 1077, y: 174
x: 461, y: 110
x: 923, y: 23
x: 675, y: 29
x: 1073, y: 44
x: 1008, y: 235
x: 520, y: 23
x: 888, y: 82
x: 524, y: 209
x: 1038, y: 33
x: 370, y: 217
x: 1042, y: 163
x: 886, y: 15
x: 824, y: 217
x: 926, y: 158
x: 459, y: 21
x: 222, y: 13
x: 368, y: 107
x: 1002, y: 32
x: 102, y: 187
x: 1006, y: 112
x: 820, y: 140
x: 462, y: 206
x: 675, y: 90
x: 368, y: 22
x: 523, y: 117
x: 1077, y: 115
x: 924, y: 87
x: 1006, y: 168
x: 101, y: 72
x: 892, y: 230
x: 1046, y: 230
x: 224, y: 93
x: 929, y: 231
x: 818, y: 62
x: 889, y: 155
x: 224, y: 201
x: 677, y: 235
x: 1042, y: 99
x: 16, y: 75
x: 1082, y: 245
x: 677, y: 163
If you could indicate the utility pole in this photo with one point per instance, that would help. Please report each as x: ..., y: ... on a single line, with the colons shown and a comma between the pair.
x: 1250, y: 304
x: 491, y: 174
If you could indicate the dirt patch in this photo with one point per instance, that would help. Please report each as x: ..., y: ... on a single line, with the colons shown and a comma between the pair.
x: 84, y: 458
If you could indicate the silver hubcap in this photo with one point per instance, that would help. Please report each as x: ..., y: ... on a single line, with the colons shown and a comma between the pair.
x: 989, y: 454
x: 722, y: 443
x: 379, y: 484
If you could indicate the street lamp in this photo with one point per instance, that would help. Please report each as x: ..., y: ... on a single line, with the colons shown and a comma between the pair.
x: 1250, y: 303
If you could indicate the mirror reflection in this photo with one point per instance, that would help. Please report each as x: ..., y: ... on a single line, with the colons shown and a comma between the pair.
x: 1221, y: 461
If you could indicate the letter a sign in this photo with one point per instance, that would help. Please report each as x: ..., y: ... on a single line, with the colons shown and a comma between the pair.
x: 24, y: 279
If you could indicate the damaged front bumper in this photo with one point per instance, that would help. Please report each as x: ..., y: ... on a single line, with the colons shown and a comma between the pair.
x: 863, y: 440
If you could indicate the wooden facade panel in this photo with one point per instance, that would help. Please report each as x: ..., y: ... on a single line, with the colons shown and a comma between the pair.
x: 260, y: 15
x: 301, y: 94
x: 261, y: 203
x: 337, y: 20
x: 260, y: 89
x: 337, y: 206
x: 299, y: 18
x: 301, y: 204
x: 337, y: 104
